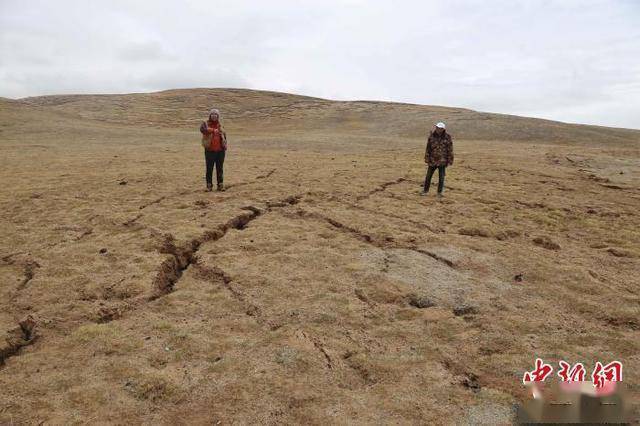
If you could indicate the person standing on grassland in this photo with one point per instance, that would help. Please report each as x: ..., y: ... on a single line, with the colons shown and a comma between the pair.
x: 438, y: 155
x: 214, y: 141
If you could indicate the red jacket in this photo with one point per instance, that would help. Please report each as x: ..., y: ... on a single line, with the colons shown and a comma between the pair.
x: 217, y: 135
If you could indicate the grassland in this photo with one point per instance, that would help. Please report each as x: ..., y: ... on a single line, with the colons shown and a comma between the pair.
x: 320, y: 288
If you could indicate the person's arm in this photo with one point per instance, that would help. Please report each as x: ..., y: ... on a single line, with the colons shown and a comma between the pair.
x: 203, y: 128
x: 450, y: 152
x: 427, y: 152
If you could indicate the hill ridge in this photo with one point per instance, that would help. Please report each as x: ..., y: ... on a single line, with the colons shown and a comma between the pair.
x: 273, y: 111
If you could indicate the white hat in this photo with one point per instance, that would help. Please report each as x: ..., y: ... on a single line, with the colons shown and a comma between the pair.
x: 214, y: 111
x: 441, y: 125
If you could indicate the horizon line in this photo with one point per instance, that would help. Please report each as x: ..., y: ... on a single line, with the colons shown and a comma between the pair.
x: 318, y: 98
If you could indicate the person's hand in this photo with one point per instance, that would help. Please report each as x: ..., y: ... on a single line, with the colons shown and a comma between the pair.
x: 426, y: 160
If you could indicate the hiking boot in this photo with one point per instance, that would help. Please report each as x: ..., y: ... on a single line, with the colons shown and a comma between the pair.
x: 221, y: 187
x: 439, y: 195
x: 209, y: 187
x: 424, y: 193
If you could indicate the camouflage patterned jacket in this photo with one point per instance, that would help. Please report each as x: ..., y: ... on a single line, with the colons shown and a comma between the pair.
x: 439, y: 150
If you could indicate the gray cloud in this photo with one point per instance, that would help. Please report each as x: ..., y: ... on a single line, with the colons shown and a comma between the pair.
x: 569, y: 60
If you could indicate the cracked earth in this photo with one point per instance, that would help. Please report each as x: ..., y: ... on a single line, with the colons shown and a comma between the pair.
x: 320, y: 287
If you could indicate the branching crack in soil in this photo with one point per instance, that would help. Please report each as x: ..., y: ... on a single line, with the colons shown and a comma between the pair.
x: 389, y: 215
x: 252, y: 310
x: 381, y: 188
x: 84, y: 233
x: 289, y: 201
x: 217, y: 274
x: 7, y: 258
x: 133, y: 220
x: 612, y: 186
x: 468, y: 379
x: 30, y: 267
x: 434, y: 256
x: 156, y: 201
x: 377, y: 242
x: 184, y: 255
x: 267, y: 174
x: 341, y: 226
x: 320, y: 347
x: 21, y: 336
x: 249, y: 182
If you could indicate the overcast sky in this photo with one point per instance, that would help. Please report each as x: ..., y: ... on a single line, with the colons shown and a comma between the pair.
x: 568, y: 60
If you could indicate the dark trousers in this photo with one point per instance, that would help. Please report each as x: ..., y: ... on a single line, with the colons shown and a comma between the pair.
x: 427, y: 180
x: 214, y: 158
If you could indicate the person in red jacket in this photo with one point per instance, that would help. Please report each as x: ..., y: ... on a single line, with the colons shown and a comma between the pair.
x: 214, y: 140
x: 438, y: 155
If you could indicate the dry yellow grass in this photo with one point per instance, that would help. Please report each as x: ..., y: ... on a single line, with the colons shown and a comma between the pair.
x: 294, y: 296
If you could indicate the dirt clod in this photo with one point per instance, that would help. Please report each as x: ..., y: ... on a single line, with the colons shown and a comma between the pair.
x: 108, y: 314
x: 470, y: 381
x: 420, y: 302
x: 546, y: 242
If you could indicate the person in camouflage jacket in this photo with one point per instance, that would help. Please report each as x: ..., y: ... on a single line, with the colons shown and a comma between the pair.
x: 438, y: 155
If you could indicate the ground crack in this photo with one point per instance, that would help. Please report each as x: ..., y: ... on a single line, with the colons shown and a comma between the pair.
x: 17, y: 338
x: 156, y: 201
x: 381, y: 188
x: 182, y: 256
x: 267, y: 174
x: 320, y: 347
x: 376, y: 242
x: 215, y: 273
x: 389, y: 215
x: 132, y: 220
x: 249, y: 182
x: 29, y: 267
x: 433, y: 256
